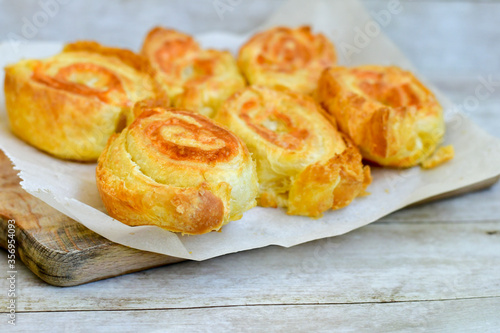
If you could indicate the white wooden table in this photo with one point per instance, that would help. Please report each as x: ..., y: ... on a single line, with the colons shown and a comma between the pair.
x: 435, y: 267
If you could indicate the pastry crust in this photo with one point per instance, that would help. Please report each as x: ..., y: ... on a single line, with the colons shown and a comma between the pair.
x: 70, y: 104
x: 440, y: 156
x: 282, y: 56
x: 303, y: 162
x: 178, y: 170
x: 196, y: 79
x: 389, y: 114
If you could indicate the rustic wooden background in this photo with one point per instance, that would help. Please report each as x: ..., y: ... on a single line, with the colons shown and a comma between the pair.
x: 434, y: 267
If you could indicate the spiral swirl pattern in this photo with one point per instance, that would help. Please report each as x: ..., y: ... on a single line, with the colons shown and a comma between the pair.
x: 85, y: 79
x: 196, y: 79
x: 178, y: 170
x: 302, y: 160
x: 389, y: 114
x: 292, y: 58
x: 70, y: 104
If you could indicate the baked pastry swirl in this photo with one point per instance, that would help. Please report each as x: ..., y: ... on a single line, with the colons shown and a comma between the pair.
x: 196, y: 79
x: 70, y: 104
x: 282, y: 56
x: 303, y: 162
x: 390, y: 115
x: 176, y: 169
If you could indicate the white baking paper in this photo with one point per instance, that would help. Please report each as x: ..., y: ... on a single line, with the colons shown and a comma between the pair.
x: 70, y: 187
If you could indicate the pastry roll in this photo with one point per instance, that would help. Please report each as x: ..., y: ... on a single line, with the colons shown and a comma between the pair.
x: 176, y: 169
x: 70, y: 104
x: 303, y: 162
x: 292, y: 58
x: 390, y: 115
x: 196, y: 79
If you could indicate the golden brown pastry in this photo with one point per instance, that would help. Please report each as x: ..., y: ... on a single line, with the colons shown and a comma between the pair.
x: 303, y: 162
x: 178, y: 170
x: 440, y: 156
x: 389, y: 114
x: 70, y: 104
x: 292, y: 58
x: 196, y: 79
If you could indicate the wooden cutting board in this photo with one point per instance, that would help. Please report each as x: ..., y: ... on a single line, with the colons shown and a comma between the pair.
x: 63, y: 252
x: 58, y: 249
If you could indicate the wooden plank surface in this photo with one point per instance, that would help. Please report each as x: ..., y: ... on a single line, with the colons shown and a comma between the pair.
x: 432, y: 267
x: 63, y: 252
x: 445, y: 316
x: 58, y: 249
x: 382, y: 262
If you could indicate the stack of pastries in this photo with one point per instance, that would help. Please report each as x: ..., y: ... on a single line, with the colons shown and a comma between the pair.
x: 188, y: 139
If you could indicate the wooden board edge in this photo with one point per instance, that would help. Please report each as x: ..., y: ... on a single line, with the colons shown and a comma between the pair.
x: 65, y: 269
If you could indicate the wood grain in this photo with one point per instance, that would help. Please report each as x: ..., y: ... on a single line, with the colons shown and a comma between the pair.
x: 62, y: 252
x: 382, y: 262
x: 58, y: 249
x: 383, y: 277
x: 446, y: 316
x: 420, y: 256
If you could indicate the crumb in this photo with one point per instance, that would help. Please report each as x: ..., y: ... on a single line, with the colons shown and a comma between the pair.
x: 443, y: 154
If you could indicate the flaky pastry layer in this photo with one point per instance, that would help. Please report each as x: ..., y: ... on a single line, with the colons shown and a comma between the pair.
x: 195, y: 78
x: 70, y: 104
x: 389, y: 114
x: 286, y: 57
x: 303, y: 162
x: 178, y: 170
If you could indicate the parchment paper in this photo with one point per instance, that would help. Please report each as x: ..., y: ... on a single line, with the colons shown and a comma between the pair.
x: 70, y: 187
